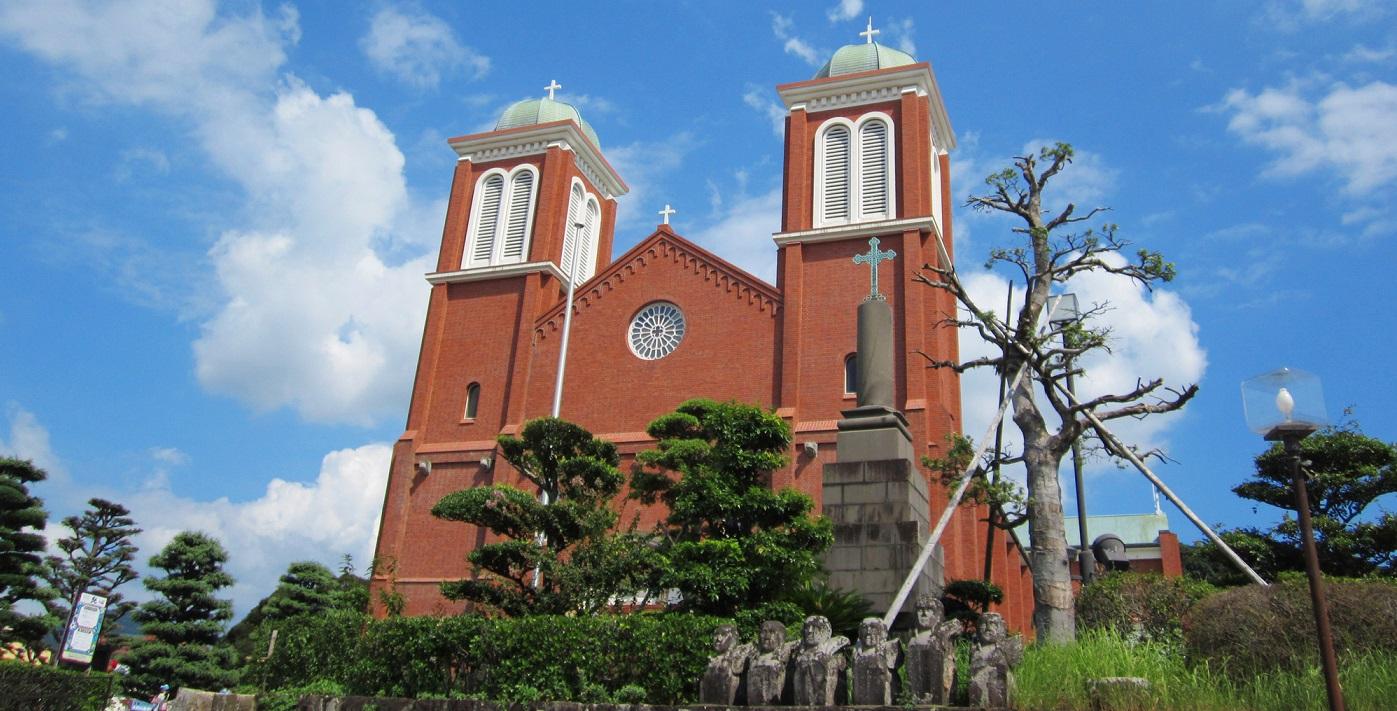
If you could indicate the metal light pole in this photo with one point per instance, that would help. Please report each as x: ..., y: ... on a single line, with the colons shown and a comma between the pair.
x: 1062, y: 312
x: 1287, y: 406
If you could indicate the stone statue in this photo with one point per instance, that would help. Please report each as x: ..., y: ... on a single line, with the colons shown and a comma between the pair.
x: 991, y: 663
x: 931, y: 653
x: 819, y: 665
x: 723, y: 677
x: 766, y: 673
x: 875, y: 658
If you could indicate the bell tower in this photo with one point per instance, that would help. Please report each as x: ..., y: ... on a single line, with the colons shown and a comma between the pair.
x: 509, y: 246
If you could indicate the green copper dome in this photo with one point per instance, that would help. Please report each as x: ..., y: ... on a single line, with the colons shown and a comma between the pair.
x: 854, y: 58
x: 531, y: 112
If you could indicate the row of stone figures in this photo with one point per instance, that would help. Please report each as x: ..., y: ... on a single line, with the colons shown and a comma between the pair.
x: 811, y: 672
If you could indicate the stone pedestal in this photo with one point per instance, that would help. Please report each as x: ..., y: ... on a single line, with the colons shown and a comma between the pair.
x: 880, y: 513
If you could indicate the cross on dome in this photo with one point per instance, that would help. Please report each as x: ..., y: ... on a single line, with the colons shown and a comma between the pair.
x: 553, y: 84
x: 868, y: 33
x: 665, y: 213
x: 871, y: 259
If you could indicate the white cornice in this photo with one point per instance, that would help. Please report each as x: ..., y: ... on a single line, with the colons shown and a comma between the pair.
x: 496, y: 272
x: 873, y: 87
x: 857, y: 229
x: 533, y: 140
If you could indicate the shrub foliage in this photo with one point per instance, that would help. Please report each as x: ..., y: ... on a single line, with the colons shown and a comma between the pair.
x: 44, y: 688
x: 1252, y: 629
x: 1139, y: 605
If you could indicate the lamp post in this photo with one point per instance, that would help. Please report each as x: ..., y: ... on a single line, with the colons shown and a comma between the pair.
x: 1287, y: 406
x: 1061, y: 312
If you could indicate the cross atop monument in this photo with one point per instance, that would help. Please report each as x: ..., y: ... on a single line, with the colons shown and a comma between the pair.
x: 665, y: 213
x: 871, y: 259
x: 553, y: 84
x: 868, y: 33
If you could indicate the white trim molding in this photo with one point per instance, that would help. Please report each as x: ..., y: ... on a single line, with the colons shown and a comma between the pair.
x: 873, y: 87
x: 495, y: 272
x: 495, y: 145
x: 858, y: 229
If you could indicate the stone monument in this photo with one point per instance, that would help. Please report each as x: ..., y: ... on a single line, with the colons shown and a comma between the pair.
x: 992, y: 662
x: 875, y: 492
x: 875, y: 660
x: 766, y: 673
x: 722, y: 679
x: 819, y: 665
x: 931, y: 653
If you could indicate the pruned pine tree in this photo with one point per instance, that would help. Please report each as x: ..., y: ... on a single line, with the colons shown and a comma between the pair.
x: 183, y: 627
x: 306, y: 588
x: 1052, y: 249
x: 581, y: 565
x: 22, y: 517
x: 97, y: 558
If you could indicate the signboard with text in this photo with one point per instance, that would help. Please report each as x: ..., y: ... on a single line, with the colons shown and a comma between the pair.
x: 80, y: 642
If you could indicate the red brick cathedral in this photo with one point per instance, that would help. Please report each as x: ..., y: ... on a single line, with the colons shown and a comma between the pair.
x: 866, y: 155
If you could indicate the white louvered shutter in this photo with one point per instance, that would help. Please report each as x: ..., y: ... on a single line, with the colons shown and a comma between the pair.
x: 587, y: 260
x: 836, y: 177
x: 570, y: 232
x: 521, y: 191
x: 483, y: 241
x: 873, y: 169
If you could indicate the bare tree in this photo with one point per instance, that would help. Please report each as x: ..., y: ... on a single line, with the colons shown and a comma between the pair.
x: 1053, y: 249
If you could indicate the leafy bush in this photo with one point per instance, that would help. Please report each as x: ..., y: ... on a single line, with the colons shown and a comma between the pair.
x: 966, y: 600
x: 536, y: 658
x: 1139, y: 605
x: 44, y: 688
x: 1252, y: 630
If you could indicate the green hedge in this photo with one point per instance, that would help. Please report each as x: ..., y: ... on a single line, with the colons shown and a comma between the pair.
x: 1140, y: 606
x: 592, y: 658
x: 1251, y: 630
x: 44, y: 688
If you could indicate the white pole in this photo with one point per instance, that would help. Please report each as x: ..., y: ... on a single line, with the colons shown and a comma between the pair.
x: 562, y: 356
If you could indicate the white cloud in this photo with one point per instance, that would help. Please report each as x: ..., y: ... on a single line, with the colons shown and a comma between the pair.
x: 1348, y: 132
x: 1295, y: 15
x: 643, y: 166
x: 781, y: 27
x: 135, y: 160
x: 310, y: 313
x: 418, y: 48
x: 335, y: 514
x: 1365, y: 54
x: 901, y: 34
x: 845, y: 10
x: 742, y: 234
x: 759, y: 98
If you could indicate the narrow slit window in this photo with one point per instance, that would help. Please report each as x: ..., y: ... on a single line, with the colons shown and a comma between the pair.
x: 472, y: 400
x: 851, y: 374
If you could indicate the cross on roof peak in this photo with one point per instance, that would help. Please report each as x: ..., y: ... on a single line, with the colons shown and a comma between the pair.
x: 868, y: 33
x: 665, y: 213
x: 553, y: 86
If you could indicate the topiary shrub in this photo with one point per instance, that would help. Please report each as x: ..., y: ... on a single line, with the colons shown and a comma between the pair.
x: 1139, y: 606
x: 44, y: 688
x: 1253, y: 629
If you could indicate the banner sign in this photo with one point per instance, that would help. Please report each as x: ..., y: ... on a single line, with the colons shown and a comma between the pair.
x: 80, y: 643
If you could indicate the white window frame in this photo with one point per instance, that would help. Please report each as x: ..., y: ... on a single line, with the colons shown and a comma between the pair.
x: 497, y: 257
x: 856, y: 212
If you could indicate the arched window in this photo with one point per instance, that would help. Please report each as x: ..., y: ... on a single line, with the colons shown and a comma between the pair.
x: 854, y: 169
x: 851, y: 374
x: 472, y: 400
x: 501, y: 218
x: 582, y: 207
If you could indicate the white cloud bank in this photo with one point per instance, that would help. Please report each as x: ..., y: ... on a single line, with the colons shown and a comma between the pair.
x: 309, y: 314
x: 417, y: 48
x: 322, y: 520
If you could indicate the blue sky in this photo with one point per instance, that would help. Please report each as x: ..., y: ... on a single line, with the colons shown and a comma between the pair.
x: 214, y: 218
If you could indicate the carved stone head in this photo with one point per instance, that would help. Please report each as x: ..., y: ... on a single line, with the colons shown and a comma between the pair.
x: 991, y: 628
x: 724, y: 638
x: 930, y: 611
x: 815, y: 631
x: 772, y: 636
x: 872, y: 632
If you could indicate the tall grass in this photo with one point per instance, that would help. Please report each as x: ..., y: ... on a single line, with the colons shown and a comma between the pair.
x: 1055, y: 676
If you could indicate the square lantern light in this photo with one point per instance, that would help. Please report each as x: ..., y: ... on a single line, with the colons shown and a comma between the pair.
x: 1062, y: 309
x: 1285, y: 403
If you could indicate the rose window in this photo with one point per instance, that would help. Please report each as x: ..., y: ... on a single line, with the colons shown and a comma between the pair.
x: 656, y: 331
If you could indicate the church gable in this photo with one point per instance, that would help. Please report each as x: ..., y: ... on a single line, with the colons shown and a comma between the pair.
x: 665, y: 322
